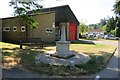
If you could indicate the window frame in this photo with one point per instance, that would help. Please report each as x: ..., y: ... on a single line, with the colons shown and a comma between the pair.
x: 14, y: 27
x: 22, y: 29
x: 4, y: 29
x: 50, y: 30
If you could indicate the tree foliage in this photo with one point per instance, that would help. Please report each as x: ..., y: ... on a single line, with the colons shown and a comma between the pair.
x: 116, y: 10
x: 116, y: 7
x: 117, y: 32
x: 83, y: 27
x: 21, y: 9
x: 93, y: 26
x: 111, y: 23
x: 103, y: 28
x: 103, y: 22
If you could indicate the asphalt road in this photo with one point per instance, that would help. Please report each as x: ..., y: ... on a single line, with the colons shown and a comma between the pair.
x: 17, y: 73
x: 107, y: 42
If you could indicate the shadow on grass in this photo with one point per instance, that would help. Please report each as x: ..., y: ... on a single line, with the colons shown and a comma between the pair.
x: 103, y: 53
x: 47, y: 44
x: 91, y: 39
x: 26, y: 56
x: 83, y: 42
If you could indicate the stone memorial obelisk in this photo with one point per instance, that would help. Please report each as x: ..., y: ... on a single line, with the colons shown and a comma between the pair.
x: 62, y: 46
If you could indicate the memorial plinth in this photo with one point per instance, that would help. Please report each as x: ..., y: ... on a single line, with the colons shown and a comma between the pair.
x: 62, y: 47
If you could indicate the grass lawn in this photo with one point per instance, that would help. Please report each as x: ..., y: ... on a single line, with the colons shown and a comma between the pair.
x: 14, y: 56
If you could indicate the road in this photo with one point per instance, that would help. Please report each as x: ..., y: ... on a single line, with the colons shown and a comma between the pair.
x: 107, y: 42
x: 102, y: 41
x: 17, y: 73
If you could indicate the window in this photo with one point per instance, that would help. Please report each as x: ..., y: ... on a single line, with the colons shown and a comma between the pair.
x: 23, y: 28
x: 14, y: 28
x: 49, y: 30
x: 7, y: 29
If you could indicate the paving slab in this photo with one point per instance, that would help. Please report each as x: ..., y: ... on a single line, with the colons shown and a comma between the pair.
x: 79, y: 58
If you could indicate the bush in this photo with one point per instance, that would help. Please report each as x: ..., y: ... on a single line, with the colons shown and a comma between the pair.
x: 94, y: 65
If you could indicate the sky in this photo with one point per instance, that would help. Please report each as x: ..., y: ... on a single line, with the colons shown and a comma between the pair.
x: 87, y: 11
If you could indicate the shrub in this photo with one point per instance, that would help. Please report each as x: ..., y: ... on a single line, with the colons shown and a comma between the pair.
x: 94, y: 65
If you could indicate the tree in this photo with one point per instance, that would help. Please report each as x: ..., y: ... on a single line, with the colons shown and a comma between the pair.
x: 103, y: 28
x: 118, y: 27
x: 117, y: 32
x: 93, y: 26
x: 116, y: 10
x: 111, y: 24
x: 83, y: 28
x: 103, y: 22
x: 21, y: 9
x: 116, y: 7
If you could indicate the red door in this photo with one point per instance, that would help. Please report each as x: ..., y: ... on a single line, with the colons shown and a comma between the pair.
x: 72, y: 31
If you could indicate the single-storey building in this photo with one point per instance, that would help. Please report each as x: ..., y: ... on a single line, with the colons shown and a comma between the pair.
x: 14, y: 28
x: 95, y: 31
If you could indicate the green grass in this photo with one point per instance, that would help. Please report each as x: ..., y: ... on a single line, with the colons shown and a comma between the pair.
x: 27, y: 58
x: 93, y: 65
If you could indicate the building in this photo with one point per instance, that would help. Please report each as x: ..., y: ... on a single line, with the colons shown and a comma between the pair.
x: 95, y: 31
x: 13, y: 28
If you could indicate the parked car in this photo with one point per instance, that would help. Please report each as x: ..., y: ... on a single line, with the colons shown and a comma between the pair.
x: 90, y: 36
x: 111, y: 37
x: 99, y: 36
x: 84, y: 35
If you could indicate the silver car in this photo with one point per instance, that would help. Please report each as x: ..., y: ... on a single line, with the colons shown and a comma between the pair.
x: 110, y: 37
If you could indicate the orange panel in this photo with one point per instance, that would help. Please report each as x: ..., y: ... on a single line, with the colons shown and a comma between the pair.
x: 72, y: 31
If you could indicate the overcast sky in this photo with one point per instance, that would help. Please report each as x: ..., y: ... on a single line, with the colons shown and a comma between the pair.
x: 88, y: 11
